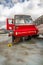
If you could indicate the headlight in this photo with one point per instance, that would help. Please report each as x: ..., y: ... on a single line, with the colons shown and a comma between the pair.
x: 16, y: 33
x: 10, y: 27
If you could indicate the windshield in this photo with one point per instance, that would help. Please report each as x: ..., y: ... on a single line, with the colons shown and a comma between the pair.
x: 20, y: 19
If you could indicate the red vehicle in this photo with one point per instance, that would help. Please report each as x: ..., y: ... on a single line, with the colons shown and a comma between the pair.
x: 21, y: 26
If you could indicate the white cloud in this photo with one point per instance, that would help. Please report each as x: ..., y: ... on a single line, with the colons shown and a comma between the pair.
x: 6, y: 11
x: 2, y: 18
x: 29, y: 7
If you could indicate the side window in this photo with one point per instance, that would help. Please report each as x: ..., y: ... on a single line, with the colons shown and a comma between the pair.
x: 10, y: 21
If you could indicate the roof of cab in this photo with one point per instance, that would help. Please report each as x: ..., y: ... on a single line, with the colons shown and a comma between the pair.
x: 22, y: 15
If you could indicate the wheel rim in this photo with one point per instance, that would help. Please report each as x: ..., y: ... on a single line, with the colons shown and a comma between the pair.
x: 16, y: 40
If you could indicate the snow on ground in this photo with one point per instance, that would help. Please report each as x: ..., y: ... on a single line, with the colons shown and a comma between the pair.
x: 25, y: 53
x: 4, y: 37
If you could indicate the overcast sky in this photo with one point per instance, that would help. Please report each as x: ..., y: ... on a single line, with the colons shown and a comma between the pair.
x: 31, y: 7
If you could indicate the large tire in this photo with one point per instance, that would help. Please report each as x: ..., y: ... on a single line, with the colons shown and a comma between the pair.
x: 28, y: 38
x: 15, y: 40
x: 35, y: 36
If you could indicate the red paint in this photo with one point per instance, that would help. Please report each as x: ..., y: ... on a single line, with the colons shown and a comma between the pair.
x: 22, y: 30
x: 9, y: 25
x: 25, y: 30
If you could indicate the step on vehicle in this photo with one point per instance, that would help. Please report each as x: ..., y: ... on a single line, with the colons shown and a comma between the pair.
x: 21, y: 27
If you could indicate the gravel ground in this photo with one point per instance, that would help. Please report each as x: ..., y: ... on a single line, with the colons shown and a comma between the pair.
x: 24, y: 53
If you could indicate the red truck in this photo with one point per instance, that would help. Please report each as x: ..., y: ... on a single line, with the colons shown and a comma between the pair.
x: 21, y: 27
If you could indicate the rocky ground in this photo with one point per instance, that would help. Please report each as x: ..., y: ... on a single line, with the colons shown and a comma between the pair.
x: 25, y: 53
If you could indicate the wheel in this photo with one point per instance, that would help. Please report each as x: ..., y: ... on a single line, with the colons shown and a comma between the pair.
x: 28, y: 38
x: 35, y: 36
x: 15, y: 40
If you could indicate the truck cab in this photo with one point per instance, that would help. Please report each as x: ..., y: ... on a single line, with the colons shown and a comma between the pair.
x: 21, y: 26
